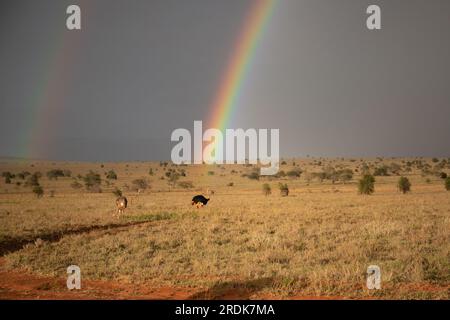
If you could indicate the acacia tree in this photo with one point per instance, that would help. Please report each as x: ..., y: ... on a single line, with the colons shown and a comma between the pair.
x: 404, y: 185
x: 447, y: 184
x: 367, y: 184
x: 266, y: 189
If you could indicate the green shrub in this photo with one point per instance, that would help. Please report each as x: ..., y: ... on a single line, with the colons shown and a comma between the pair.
x: 22, y: 175
x: 280, y: 174
x: 7, y: 174
x: 365, y: 169
x: 294, y: 173
x: 381, y: 171
x: 366, y: 185
x: 92, y: 181
x: 54, y: 174
x: 38, y: 191
x: 345, y: 175
x: 111, y: 175
x: 117, y: 192
x: 172, y: 177
x: 404, y: 185
x: 443, y: 175
x: 284, y: 189
x: 33, y: 180
x: 185, y: 184
x: 139, y: 184
x: 447, y: 184
x: 266, y: 189
x: 252, y: 175
x: 395, y: 168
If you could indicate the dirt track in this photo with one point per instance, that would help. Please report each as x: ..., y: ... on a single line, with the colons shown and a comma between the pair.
x: 24, y: 285
x: 16, y: 285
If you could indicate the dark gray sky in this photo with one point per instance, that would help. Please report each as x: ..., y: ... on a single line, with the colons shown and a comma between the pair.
x: 140, y: 69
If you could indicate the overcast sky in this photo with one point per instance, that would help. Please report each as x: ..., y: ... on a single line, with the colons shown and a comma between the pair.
x: 140, y: 69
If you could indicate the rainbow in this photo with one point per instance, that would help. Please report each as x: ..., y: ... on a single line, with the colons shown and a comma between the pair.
x: 52, y: 84
x: 238, y: 67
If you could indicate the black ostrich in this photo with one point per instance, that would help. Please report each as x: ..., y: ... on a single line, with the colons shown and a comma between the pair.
x: 199, y: 201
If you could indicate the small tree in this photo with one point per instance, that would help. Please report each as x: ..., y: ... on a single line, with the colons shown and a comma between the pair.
x: 38, y: 191
x: 92, y: 181
x: 395, y: 168
x: 345, y: 175
x: 381, y: 171
x: 266, y: 189
x: 54, y: 174
x: 284, y: 190
x: 139, y: 184
x: 447, y: 184
x: 365, y: 169
x: 117, y: 192
x: 111, y: 175
x: 294, y: 173
x: 404, y: 185
x: 366, y: 185
x: 6, y: 174
x: 33, y: 180
x: 252, y: 175
x: 172, y: 177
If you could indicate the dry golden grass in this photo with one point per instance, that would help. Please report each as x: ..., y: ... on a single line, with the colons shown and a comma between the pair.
x: 317, y: 241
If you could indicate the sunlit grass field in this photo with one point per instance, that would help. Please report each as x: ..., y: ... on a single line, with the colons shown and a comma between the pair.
x: 318, y: 241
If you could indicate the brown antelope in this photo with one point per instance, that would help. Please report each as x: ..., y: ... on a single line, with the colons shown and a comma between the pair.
x: 121, y: 203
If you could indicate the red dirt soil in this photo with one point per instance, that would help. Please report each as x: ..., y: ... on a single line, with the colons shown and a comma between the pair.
x: 23, y: 285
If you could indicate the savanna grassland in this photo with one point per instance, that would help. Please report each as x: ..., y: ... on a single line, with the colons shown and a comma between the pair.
x: 249, y: 241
